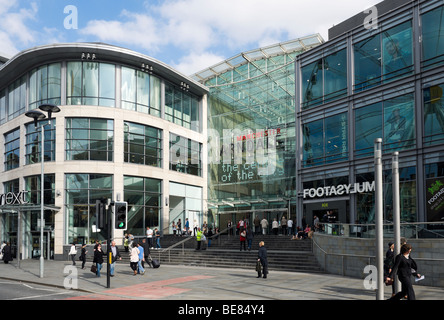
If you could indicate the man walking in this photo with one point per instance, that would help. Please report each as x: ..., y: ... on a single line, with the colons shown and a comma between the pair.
x: 115, y: 255
x: 262, y: 257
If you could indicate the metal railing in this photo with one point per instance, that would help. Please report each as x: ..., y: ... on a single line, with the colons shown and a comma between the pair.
x: 416, y: 230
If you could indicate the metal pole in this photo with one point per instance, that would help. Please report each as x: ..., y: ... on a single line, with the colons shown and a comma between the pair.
x: 42, y: 197
x: 396, y: 211
x: 378, y: 219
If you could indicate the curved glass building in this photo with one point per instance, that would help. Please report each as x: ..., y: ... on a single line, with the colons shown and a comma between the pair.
x: 130, y: 129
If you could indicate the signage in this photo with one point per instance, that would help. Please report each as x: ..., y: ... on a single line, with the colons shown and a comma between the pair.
x: 435, y: 199
x: 12, y: 198
x: 339, y: 190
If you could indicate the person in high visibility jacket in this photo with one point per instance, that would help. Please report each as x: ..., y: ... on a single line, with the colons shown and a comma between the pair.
x: 199, y: 235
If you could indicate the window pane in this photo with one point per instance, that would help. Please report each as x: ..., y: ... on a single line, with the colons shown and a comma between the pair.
x: 335, y: 74
x: 313, y: 142
x: 367, y: 62
x: 336, y: 138
x: 433, y: 36
x: 312, y: 79
x: 399, y: 123
x: 91, y: 79
x: 368, y: 127
x: 107, y: 81
x: 397, y: 51
x: 433, y: 115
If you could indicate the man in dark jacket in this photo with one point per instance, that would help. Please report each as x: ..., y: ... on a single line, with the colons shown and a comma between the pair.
x: 262, y: 257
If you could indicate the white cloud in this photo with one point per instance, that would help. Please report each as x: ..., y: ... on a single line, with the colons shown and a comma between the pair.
x: 195, y: 62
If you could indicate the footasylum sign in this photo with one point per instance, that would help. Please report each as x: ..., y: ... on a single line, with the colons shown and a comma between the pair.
x: 339, y: 190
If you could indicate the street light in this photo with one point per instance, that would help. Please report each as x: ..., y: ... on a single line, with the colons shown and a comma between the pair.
x: 37, y: 116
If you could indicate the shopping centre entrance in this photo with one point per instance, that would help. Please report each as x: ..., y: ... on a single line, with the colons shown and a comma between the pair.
x: 235, y: 216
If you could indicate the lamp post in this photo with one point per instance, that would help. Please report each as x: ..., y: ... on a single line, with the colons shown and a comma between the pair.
x: 37, y: 116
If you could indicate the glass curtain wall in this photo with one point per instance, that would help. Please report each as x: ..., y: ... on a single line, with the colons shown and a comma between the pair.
x: 89, y: 139
x: 144, y: 197
x: 33, y: 144
x: 325, y: 79
x: 185, y: 155
x: 142, y: 145
x: 433, y: 115
x: 12, y: 150
x: 383, y: 57
x: 45, y: 85
x: 392, y: 119
x: 326, y: 140
x: 140, y: 91
x: 182, y: 108
x: 434, y: 198
x: 90, y: 83
x: 82, y: 191
x: 433, y: 37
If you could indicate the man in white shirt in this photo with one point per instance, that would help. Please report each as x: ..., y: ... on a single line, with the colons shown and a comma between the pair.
x: 149, y: 236
x: 290, y: 226
x: 264, y: 225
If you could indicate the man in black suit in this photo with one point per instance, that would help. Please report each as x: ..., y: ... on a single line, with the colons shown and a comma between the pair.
x: 404, y: 267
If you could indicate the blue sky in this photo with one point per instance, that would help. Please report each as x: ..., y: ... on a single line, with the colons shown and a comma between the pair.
x: 189, y: 35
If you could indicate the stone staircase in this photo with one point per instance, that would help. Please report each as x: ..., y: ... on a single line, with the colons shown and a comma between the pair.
x: 283, y: 254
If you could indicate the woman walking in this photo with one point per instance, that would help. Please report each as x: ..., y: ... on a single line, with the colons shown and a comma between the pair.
x: 98, y: 258
x: 404, y: 267
x: 134, y: 259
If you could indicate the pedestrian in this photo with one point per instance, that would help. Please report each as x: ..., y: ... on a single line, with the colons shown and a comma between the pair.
x: 316, y: 223
x: 404, y: 267
x: 1, y: 249
x: 275, y: 226
x: 243, y: 238
x: 83, y: 255
x: 264, y: 225
x: 389, y: 262
x: 284, y: 225
x: 290, y: 227
x: 250, y: 235
x: 230, y: 227
x: 134, y: 259
x: 149, y: 237
x: 173, y: 226
x: 72, y: 253
x: 209, y: 236
x: 157, y: 235
x: 179, y: 227
x: 141, y: 269
x: 262, y: 258
x: 187, y: 226
x: 7, y: 255
x: 198, y: 238
x: 126, y: 243
x: 115, y: 254
x: 146, y: 253
x: 257, y: 225
x: 98, y: 258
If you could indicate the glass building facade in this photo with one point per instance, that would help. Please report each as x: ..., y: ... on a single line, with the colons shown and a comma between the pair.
x: 251, y: 133
x: 121, y: 114
x: 368, y: 83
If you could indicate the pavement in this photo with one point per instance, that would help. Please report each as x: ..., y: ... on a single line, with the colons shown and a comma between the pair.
x: 172, y: 282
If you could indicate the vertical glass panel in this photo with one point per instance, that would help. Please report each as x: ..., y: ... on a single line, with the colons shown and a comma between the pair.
x: 368, y: 127
x: 143, y: 88
x: 128, y: 88
x: 335, y: 75
x: 433, y: 37
x: 313, y: 143
x: 312, y: 81
x: 90, y: 84
x: 155, y: 96
x: 399, y: 123
x: 433, y: 115
x: 74, y: 82
x: 397, y: 51
x: 107, y: 89
x: 336, y: 138
x: 367, y: 62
